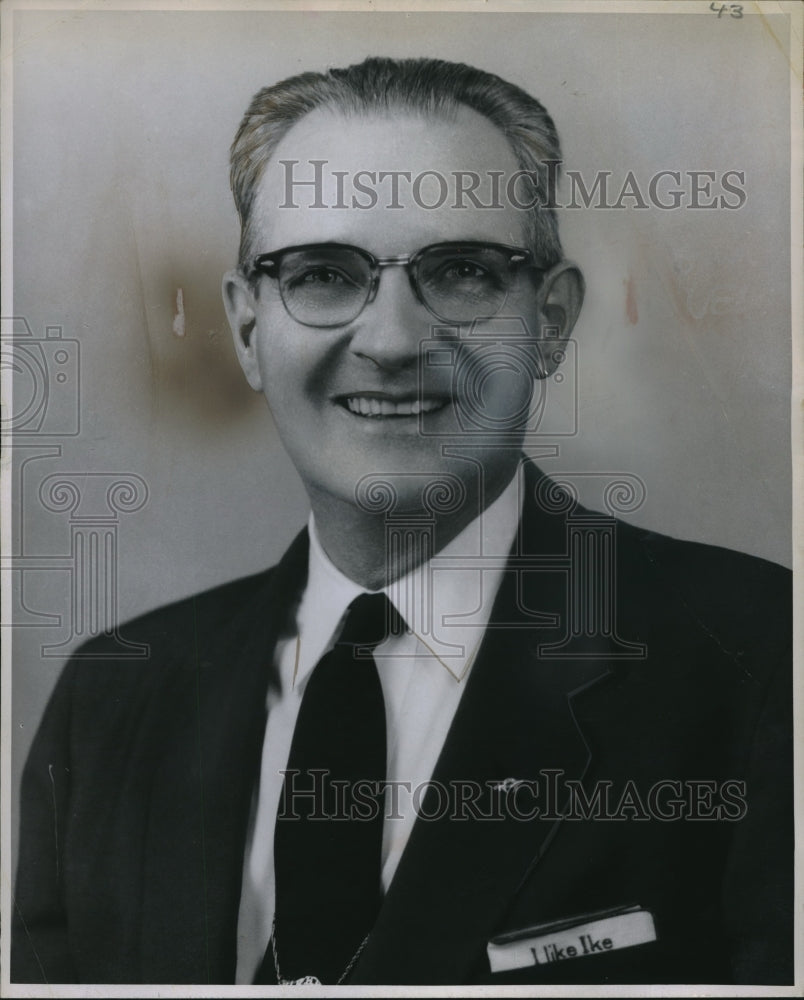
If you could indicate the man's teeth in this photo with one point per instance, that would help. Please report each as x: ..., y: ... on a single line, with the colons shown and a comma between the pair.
x: 369, y: 407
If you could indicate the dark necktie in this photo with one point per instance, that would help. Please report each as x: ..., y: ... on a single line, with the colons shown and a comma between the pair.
x: 328, y: 836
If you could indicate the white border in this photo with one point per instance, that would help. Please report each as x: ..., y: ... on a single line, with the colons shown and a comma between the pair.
x: 795, y: 12
x: 6, y: 309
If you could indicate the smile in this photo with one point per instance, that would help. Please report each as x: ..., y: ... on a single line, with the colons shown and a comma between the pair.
x: 376, y: 406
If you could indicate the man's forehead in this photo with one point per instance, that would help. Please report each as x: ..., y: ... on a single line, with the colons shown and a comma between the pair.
x: 397, y: 173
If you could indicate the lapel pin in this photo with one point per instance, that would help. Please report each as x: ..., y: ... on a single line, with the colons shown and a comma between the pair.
x: 507, y: 784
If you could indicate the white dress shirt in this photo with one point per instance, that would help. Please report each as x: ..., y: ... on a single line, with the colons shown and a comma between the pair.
x: 422, y: 673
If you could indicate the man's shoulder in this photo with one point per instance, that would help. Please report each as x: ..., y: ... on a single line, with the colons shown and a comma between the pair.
x: 147, y: 659
x: 705, y: 611
x: 215, y: 632
x: 699, y: 609
x: 655, y: 570
x: 227, y: 611
x: 200, y: 614
x: 700, y: 575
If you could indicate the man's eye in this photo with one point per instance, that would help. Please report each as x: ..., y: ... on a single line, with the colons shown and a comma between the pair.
x: 322, y: 276
x: 464, y: 270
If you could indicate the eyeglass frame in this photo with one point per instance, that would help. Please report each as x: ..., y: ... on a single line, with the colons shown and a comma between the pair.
x: 273, y: 259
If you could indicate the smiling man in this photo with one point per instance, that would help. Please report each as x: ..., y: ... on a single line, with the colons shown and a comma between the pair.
x: 330, y: 324
x: 466, y: 732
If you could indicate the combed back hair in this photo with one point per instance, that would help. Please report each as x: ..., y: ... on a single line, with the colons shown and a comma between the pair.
x: 428, y: 87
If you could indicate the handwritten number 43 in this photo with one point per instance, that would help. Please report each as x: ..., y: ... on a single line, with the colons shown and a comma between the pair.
x: 735, y: 9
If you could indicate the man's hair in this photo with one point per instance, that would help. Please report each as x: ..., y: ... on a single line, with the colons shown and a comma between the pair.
x: 419, y: 86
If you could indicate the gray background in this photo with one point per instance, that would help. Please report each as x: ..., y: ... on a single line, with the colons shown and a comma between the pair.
x: 122, y: 123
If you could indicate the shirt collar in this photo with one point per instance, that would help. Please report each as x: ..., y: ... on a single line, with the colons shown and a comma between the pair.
x: 461, y: 597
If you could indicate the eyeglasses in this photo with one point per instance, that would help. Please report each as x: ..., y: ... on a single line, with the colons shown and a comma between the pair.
x: 329, y: 284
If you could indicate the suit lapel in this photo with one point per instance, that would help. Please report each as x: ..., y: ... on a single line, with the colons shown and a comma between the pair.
x: 515, y: 720
x: 201, y: 797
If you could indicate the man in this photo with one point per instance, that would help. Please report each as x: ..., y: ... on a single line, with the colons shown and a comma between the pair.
x: 466, y: 732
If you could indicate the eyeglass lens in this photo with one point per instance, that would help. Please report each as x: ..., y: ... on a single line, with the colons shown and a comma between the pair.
x: 329, y: 286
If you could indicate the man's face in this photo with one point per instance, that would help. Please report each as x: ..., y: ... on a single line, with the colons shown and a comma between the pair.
x: 344, y: 398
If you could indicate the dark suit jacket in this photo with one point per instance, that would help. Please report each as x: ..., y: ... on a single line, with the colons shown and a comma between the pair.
x: 137, y: 790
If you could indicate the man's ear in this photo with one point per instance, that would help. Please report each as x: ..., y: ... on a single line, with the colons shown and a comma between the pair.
x: 560, y: 299
x: 238, y: 300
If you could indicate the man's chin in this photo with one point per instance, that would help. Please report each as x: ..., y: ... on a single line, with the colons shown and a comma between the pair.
x: 404, y: 485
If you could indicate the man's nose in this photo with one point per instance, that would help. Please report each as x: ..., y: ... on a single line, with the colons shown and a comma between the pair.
x: 390, y: 329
